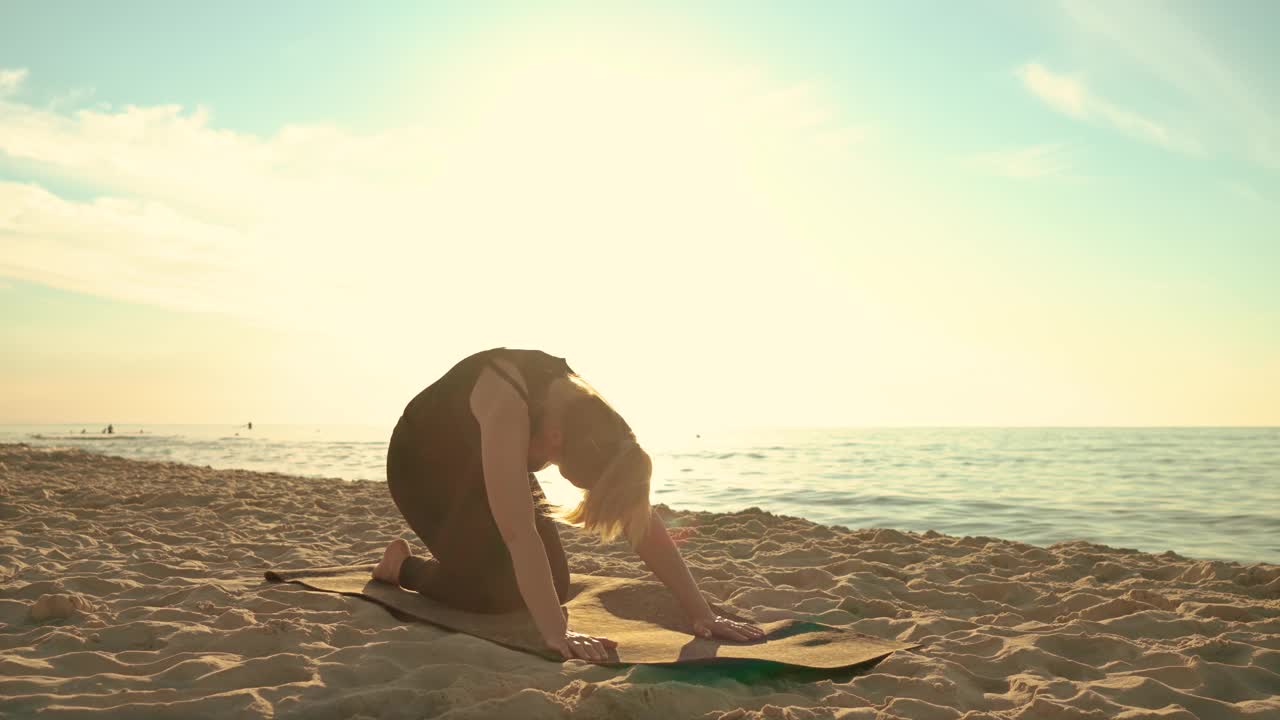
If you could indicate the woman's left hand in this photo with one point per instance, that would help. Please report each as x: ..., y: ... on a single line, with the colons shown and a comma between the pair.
x: 720, y: 627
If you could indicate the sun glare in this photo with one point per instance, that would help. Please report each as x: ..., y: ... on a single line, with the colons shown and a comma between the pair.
x: 651, y: 202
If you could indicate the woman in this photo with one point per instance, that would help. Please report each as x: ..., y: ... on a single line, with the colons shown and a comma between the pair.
x: 460, y: 469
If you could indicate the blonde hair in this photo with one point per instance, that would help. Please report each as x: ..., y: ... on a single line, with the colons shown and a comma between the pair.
x: 600, y: 451
x: 618, y: 504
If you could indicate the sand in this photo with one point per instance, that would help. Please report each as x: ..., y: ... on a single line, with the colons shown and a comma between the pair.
x: 134, y: 589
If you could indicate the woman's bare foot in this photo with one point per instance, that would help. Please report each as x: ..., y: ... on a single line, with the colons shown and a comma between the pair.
x: 388, y: 569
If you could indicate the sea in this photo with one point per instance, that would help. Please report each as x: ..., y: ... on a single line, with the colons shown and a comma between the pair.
x: 1208, y: 493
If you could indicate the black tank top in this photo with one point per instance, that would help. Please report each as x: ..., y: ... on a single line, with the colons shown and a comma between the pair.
x: 439, y: 419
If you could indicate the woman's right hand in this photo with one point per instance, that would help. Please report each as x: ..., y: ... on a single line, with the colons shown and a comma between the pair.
x: 582, y: 647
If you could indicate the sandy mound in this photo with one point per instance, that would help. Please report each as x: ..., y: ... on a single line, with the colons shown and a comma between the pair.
x: 132, y: 589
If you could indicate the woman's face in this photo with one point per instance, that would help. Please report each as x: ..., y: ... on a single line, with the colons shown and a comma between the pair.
x: 545, y: 448
x: 584, y: 462
x: 573, y: 478
x: 591, y: 431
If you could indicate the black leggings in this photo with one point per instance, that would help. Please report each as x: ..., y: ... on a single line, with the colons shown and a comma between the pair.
x: 471, y: 568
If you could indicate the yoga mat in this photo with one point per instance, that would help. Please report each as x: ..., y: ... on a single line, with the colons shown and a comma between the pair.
x: 642, y: 616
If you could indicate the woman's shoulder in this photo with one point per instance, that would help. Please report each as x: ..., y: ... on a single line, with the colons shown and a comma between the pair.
x: 532, y: 359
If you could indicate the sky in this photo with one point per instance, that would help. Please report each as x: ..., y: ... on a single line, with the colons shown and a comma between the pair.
x: 825, y: 214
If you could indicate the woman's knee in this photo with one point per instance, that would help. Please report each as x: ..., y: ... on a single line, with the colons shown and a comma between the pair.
x: 498, y: 593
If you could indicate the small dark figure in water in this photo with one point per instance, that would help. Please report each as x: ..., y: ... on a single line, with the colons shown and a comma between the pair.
x: 111, y: 429
x: 250, y: 424
x: 81, y: 431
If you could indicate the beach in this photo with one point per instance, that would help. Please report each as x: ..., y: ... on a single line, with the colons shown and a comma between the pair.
x: 135, y: 589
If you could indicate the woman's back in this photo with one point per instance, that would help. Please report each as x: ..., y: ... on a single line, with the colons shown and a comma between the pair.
x: 440, y: 416
x: 438, y: 435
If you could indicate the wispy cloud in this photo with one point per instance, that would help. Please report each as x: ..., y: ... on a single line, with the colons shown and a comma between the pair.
x: 1242, y: 190
x: 129, y: 249
x: 1250, y: 194
x: 11, y: 80
x: 320, y: 225
x: 1222, y: 90
x: 1026, y: 163
x: 1069, y: 95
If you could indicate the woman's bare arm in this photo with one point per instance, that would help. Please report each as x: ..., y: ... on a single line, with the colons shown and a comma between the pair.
x: 506, y: 482
x: 659, y: 552
x: 504, y: 450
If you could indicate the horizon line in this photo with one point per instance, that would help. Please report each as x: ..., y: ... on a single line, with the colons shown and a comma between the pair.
x: 713, y: 428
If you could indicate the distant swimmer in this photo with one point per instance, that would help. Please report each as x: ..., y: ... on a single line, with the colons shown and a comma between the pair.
x: 250, y: 424
x: 111, y: 429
